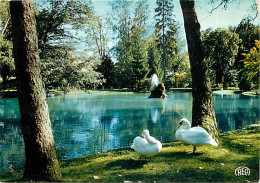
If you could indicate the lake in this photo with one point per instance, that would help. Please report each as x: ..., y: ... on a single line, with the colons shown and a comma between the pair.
x: 101, y: 121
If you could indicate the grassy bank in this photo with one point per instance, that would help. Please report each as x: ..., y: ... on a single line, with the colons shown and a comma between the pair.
x: 173, y: 164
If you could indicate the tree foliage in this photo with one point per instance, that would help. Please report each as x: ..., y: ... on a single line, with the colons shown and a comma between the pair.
x: 220, y: 49
x: 6, y: 54
x: 251, y: 71
x: 58, y: 20
x: 6, y: 61
x: 57, y: 24
x: 248, y: 33
x: 164, y: 22
x: 62, y: 69
x: 154, y: 58
x: 106, y: 68
x: 4, y: 17
x: 131, y: 49
x: 96, y: 36
x: 138, y: 45
x: 169, y: 43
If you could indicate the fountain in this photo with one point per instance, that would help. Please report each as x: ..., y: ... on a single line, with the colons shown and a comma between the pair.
x: 157, y: 89
x: 154, y: 81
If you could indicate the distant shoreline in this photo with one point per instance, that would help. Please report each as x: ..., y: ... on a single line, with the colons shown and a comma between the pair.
x: 13, y: 93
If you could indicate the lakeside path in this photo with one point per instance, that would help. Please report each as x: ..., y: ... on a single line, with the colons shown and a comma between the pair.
x: 173, y: 164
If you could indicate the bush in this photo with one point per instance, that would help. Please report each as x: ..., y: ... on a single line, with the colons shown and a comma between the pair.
x: 245, y: 84
x: 144, y: 85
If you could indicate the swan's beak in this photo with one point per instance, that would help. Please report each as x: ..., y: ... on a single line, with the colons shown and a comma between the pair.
x: 180, y: 124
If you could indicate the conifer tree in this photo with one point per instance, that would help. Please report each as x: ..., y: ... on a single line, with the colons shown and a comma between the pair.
x: 163, y: 18
x: 154, y: 59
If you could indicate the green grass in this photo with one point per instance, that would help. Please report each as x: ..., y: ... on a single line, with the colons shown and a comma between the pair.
x: 173, y: 164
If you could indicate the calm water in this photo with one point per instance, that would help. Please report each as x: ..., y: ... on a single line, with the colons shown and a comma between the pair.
x: 93, y: 123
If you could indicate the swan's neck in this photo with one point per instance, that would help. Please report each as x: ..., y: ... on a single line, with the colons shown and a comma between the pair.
x: 150, y: 139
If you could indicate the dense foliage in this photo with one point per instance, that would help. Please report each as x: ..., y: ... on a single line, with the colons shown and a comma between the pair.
x: 6, y: 63
x: 164, y: 20
x: 6, y: 58
x: 221, y: 47
x: 76, y: 50
x: 61, y: 68
x: 251, y: 71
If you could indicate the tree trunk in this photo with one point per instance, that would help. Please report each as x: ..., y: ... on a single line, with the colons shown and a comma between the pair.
x: 202, y: 109
x: 40, y: 150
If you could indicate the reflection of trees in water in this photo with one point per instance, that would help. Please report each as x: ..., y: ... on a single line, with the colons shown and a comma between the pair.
x: 11, y: 141
x: 166, y: 127
x: 246, y: 117
x: 90, y: 125
x: 12, y: 148
x: 78, y: 133
x: 9, y: 111
x: 234, y: 114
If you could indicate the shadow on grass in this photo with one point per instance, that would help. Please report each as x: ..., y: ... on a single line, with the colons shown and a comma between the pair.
x: 191, y: 174
x: 238, y: 146
x: 89, y: 158
x: 178, y: 155
x: 126, y: 164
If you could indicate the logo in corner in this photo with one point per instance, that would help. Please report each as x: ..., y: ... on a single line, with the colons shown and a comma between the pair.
x: 242, y: 170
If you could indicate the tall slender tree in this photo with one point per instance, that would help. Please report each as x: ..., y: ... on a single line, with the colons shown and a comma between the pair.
x: 138, y: 47
x: 121, y: 25
x: 40, y: 150
x: 203, y: 112
x: 153, y: 57
x: 163, y: 18
x: 139, y: 62
x: 96, y: 39
x: 131, y: 31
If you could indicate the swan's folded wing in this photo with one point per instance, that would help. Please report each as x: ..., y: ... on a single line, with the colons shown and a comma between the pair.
x: 139, y: 142
x: 197, y: 128
x: 152, y: 140
x: 195, y: 135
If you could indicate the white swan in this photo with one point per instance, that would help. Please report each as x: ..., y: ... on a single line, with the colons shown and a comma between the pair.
x: 147, y: 146
x: 195, y: 136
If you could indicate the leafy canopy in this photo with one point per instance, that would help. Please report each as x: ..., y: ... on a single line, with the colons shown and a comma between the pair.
x: 252, y: 63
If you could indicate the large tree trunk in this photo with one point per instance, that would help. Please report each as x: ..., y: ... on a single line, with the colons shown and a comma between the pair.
x: 40, y: 150
x: 202, y: 109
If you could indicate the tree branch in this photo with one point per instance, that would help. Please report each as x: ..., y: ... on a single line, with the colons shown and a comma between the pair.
x: 3, y: 31
x: 216, y: 7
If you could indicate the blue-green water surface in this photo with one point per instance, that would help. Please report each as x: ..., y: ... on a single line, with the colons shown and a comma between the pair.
x: 101, y: 121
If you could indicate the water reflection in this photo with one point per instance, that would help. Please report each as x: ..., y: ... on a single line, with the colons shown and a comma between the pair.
x: 236, y: 111
x: 89, y: 124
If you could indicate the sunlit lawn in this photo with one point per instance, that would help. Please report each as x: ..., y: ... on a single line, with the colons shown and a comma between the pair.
x: 173, y: 164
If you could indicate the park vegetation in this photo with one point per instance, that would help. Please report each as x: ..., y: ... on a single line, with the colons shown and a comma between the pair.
x: 172, y: 164
x: 40, y: 45
x: 142, y: 47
